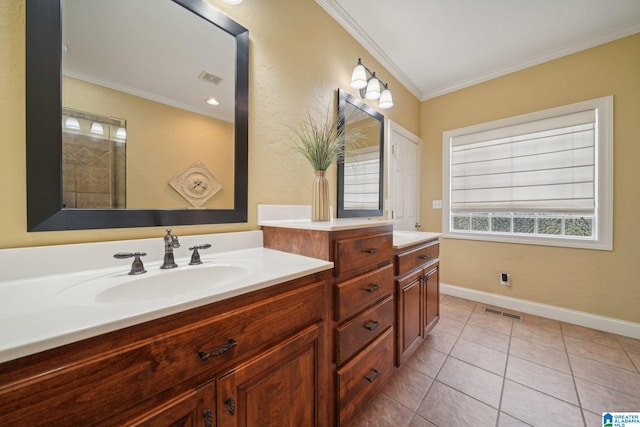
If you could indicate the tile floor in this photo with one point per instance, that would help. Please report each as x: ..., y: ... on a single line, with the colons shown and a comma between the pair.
x: 478, y: 369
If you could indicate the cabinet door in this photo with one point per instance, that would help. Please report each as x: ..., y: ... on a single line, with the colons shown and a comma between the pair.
x: 278, y: 388
x: 194, y: 408
x: 432, y: 299
x: 409, y: 319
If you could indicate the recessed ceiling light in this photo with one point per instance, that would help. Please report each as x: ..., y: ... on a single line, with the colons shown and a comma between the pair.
x: 233, y: 2
x: 213, y: 101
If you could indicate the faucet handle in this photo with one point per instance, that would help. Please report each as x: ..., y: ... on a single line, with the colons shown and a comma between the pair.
x: 136, y: 267
x: 195, y: 257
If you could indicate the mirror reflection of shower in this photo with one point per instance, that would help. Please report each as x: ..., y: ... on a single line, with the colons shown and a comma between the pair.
x: 93, y: 160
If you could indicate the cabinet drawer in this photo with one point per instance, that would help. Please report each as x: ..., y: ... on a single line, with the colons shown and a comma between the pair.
x: 362, y: 378
x: 358, y: 332
x: 407, y: 261
x: 362, y: 291
x: 129, y: 374
x: 362, y: 253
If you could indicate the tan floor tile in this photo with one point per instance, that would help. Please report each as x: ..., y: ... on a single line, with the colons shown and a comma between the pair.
x: 491, y: 321
x: 588, y: 334
x: 440, y: 341
x: 486, y: 337
x: 629, y: 344
x: 458, y: 302
x: 598, y: 398
x: 507, y: 420
x: 427, y: 360
x: 540, y: 354
x: 408, y: 387
x: 602, y: 353
x: 610, y: 376
x: 418, y: 421
x: 472, y: 381
x: 442, y: 406
x: 479, y: 355
x: 538, y: 336
x: 537, y: 408
x: 541, y: 322
x: 449, y: 326
x: 455, y: 313
x: 635, y: 358
x: 384, y: 412
x: 543, y: 379
x: 591, y: 419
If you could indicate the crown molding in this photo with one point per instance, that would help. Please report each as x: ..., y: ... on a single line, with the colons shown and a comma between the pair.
x: 344, y: 19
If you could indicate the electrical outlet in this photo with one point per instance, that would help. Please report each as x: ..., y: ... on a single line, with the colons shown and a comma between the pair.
x: 505, y: 279
x: 436, y: 204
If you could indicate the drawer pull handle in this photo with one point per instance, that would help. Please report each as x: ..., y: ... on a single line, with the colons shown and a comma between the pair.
x: 371, y: 289
x: 372, y: 250
x: 231, y: 405
x: 218, y: 351
x: 424, y: 256
x: 372, y: 325
x: 371, y: 378
x: 208, y: 418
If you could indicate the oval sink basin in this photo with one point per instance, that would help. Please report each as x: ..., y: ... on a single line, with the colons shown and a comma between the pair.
x: 121, y: 288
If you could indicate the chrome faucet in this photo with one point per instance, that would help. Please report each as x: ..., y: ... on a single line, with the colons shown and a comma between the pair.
x: 170, y: 243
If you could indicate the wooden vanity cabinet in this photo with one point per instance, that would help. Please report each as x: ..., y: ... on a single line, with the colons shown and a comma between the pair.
x: 264, y: 349
x: 418, y: 296
x: 361, y: 309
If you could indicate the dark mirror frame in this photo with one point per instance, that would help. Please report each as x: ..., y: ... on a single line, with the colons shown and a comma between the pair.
x: 344, y: 99
x: 45, y: 210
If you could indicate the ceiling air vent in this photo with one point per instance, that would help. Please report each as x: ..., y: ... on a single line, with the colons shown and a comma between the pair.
x: 210, y: 77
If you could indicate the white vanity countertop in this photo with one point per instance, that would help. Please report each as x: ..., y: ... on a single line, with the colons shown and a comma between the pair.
x: 403, y: 239
x: 36, y: 314
x: 332, y: 225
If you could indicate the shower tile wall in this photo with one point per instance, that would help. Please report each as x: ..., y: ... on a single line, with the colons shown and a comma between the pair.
x: 87, y: 164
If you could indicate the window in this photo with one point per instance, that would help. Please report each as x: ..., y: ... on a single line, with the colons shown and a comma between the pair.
x: 541, y: 178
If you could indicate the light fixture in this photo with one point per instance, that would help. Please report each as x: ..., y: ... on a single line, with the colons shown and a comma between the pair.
x: 370, y: 86
x: 212, y: 101
x: 97, y: 128
x: 386, y: 100
x: 72, y: 123
x: 121, y: 133
x: 233, y: 2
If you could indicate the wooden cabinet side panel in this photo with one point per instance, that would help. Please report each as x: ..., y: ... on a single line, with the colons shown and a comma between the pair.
x: 311, y: 243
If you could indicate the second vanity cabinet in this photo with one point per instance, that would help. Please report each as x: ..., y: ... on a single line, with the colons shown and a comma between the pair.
x: 254, y: 359
x: 418, y: 295
x: 361, y: 306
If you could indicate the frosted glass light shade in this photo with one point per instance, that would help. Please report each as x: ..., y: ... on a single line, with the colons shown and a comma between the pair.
x: 72, y: 123
x: 386, y: 100
x: 359, y: 77
x: 373, y: 89
x: 233, y: 2
x: 97, y: 128
x: 121, y: 133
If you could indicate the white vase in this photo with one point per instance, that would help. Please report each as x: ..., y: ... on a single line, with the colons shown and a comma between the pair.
x: 320, y: 200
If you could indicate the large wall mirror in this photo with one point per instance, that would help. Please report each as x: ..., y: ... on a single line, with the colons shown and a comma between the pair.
x: 361, y: 169
x: 137, y: 114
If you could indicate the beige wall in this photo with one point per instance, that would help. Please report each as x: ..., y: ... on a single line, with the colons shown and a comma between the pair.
x: 162, y: 141
x: 299, y: 56
x: 599, y: 282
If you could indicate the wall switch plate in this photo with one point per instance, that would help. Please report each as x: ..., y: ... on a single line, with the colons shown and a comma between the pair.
x: 505, y: 279
x: 436, y: 204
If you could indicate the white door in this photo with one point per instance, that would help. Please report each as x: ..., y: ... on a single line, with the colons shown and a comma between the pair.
x: 404, y: 173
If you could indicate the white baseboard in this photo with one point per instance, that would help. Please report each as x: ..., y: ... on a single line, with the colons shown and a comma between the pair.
x: 594, y: 321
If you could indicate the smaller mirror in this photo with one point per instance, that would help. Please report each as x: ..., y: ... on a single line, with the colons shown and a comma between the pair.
x: 360, y: 171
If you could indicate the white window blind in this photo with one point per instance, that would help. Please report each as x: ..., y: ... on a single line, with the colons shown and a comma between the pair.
x: 545, y: 165
x: 361, y: 179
